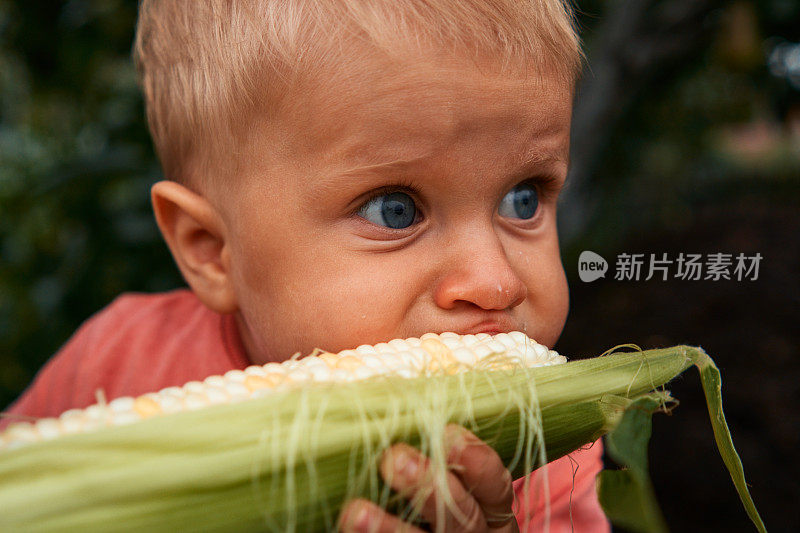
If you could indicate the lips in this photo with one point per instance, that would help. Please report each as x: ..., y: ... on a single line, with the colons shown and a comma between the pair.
x: 490, y: 327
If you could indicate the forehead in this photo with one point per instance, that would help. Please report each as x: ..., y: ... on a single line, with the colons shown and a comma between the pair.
x: 373, y: 110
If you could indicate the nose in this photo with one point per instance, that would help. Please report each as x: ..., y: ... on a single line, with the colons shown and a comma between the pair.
x: 480, y: 274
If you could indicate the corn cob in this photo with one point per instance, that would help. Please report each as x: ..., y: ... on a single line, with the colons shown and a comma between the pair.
x: 309, y: 434
x: 407, y: 358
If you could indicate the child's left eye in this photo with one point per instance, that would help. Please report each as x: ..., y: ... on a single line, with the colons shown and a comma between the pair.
x: 395, y: 210
x: 520, y: 202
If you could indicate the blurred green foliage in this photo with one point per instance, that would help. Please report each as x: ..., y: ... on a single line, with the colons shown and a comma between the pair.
x: 76, y: 165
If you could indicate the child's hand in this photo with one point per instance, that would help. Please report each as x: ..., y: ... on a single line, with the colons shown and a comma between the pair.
x: 479, y: 484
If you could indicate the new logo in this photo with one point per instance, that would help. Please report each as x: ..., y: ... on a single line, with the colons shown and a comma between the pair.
x: 591, y: 266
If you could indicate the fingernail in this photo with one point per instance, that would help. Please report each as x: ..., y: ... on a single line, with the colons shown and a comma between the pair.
x: 406, y: 465
x: 356, y: 518
x: 454, y: 441
x: 361, y: 522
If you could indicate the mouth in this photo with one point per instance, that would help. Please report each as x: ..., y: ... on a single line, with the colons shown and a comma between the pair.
x: 489, y: 327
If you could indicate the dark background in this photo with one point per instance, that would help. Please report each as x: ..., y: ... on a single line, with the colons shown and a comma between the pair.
x: 686, y: 139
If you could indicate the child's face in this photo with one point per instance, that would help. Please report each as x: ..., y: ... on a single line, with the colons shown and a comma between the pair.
x: 410, y: 198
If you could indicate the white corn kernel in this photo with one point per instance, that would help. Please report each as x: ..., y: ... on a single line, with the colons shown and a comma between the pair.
x: 215, y: 381
x: 469, y: 340
x: 465, y: 356
x: 122, y: 404
x: 372, y: 361
x: 451, y: 342
x: 72, y: 414
x: 309, y: 363
x: 481, y: 351
x: 421, y: 357
x: 235, y: 375
x: 72, y: 421
x: 298, y: 375
x: 255, y: 370
x: 406, y: 373
x: 407, y: 360
x: 216, y: 395
x: 542, y: 353
x: 390, y: 361
x: 194, y: 401
x: 72, y: 425
x: 496, y: 346
x: 194, y: 387
x: 320, y: 373
x: 399, y: 344
x: 506, y: 340
x: 21, y: 432
x: 175, y: 392
x: 97, y: 412
x: 169, y: 403
x: 364, y: 372
x: 366, y: 349
x: 123, y: 418
x: 236, y: 390
x: 515, y: 355
x: 48, y: 428
x: 383, y: 348
x: 341, y: 376
x: 273, y: 368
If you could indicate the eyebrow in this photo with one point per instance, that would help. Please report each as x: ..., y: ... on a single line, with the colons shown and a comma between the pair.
x: 540, y: 157
x: 332, y: 182
x: 397, y: 165
x: 530, y: 160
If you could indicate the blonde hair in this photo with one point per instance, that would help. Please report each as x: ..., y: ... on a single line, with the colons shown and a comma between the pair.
x: 206, y: 66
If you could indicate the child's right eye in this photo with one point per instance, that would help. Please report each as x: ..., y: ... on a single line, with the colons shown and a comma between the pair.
x: 395, y: 210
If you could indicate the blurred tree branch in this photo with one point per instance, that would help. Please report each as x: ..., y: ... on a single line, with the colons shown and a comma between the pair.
x: 638, y: 42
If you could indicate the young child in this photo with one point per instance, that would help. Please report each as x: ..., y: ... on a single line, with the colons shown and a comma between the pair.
x: 343, y: 172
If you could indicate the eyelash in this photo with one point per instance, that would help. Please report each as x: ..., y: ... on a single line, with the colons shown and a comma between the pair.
x: 398, y: 186
x: 546, y: 186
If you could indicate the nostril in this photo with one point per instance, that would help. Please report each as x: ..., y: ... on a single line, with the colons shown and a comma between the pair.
x: 516, y: 295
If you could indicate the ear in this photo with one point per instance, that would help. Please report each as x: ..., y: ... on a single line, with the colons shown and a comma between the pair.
x: 196, y: 236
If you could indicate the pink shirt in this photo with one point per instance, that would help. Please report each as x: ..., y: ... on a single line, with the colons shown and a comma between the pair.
x: 142, y: 343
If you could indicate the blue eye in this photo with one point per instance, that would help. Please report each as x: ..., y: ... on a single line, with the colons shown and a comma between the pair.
x: 394, y: 210
x: 520, y: 202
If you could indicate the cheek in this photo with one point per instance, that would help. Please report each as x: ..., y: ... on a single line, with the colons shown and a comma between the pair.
x: 330, y: 300
x: 547, y: 305
x: 560, y: 307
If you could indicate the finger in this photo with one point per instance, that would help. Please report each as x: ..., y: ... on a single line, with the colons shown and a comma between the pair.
x: 362, y: 516
x: 482, y: 473
x: 408, y: 472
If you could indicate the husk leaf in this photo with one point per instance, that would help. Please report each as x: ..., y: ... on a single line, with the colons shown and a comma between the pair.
x: 287, y: 462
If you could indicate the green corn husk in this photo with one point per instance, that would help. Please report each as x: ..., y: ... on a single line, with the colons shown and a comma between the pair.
x: 287, y: 462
